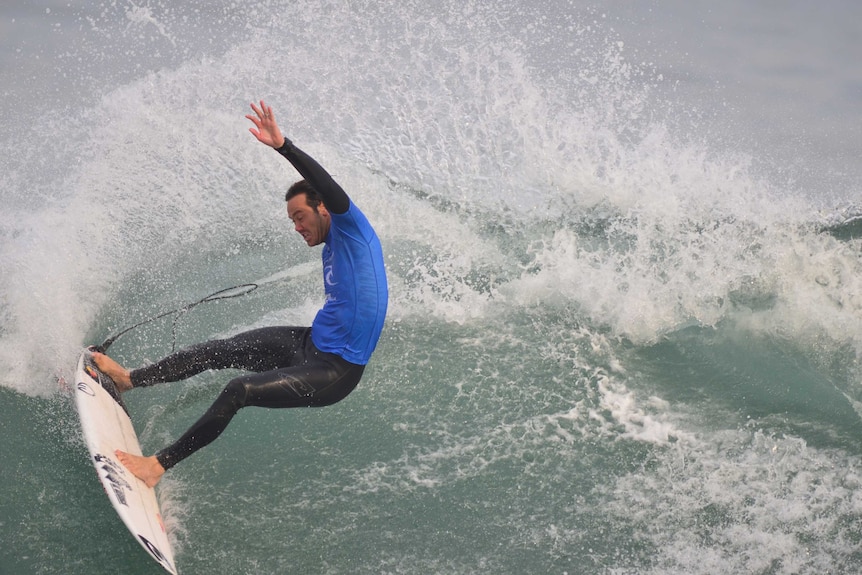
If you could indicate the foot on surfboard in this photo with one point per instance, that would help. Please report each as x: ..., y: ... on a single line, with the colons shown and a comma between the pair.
x: 147, y: 469
x: 114, y: 370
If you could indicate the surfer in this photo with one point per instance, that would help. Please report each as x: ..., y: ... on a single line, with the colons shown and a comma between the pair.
x: 290, y: 366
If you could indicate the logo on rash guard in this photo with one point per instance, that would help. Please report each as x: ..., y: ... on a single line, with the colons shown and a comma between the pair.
x: 327, y: 276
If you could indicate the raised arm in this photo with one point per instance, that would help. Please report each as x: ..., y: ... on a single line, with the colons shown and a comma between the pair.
x: 266, y: 130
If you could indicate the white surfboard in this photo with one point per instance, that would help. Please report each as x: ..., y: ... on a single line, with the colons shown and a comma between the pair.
x: 107, y: 427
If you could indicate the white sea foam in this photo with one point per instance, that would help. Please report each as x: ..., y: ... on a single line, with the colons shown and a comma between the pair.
x: 742, y: 502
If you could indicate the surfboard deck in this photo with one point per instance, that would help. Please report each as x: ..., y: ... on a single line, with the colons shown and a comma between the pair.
x: 106, y: 426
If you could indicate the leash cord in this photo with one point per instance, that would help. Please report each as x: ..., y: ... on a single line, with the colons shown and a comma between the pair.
x: 180, y: 311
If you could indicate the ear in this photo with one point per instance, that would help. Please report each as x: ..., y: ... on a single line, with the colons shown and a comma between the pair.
x: 321, y: 209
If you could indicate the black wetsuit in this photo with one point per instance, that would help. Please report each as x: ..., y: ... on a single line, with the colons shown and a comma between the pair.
x: 289, y: 372
x: 288, y: 368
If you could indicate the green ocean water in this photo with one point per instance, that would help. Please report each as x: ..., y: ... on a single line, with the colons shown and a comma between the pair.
x: 616, y: 344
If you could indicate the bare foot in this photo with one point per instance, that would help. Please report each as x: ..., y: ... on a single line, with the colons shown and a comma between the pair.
x: 147, y: 469
x: 114, y: 370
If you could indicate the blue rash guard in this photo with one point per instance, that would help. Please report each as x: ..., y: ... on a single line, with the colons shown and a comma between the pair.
x: 354, y: 279
x: 354, y: 276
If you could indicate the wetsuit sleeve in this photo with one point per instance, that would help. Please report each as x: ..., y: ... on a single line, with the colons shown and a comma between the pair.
x: 334, y: 197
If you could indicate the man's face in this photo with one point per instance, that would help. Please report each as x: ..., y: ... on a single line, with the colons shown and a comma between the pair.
x: 310, y: 224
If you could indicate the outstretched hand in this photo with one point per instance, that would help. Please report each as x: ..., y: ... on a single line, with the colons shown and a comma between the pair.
x: 265, y: 129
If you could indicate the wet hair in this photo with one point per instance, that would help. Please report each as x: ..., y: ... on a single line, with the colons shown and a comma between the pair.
x: 312, y: 198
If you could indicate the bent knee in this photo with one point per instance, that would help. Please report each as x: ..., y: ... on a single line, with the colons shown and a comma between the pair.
x: 235, y: 393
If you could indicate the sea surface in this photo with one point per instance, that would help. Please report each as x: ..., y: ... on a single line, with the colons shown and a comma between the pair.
x: 625, y: 257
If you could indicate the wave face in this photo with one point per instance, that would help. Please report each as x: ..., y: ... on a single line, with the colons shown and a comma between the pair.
x: 615, y: 343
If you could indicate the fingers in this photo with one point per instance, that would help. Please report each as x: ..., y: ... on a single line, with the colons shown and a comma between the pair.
x: 258, y: 114
x: 255, y: 120
x: 263, y: 113
x: 265, y: 129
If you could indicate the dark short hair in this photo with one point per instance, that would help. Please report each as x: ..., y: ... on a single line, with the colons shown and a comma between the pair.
x: 312, y: 198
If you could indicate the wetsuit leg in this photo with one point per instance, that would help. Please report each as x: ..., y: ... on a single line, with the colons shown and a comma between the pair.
x: 256, y: 350
x: 317, y: 379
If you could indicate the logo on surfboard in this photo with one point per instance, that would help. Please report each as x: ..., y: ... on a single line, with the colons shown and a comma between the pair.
x: 84, y: 388
x: 113, y: 473
x: 154, y: 551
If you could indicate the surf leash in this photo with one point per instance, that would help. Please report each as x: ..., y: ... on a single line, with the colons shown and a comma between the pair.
x: 227, y: 293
